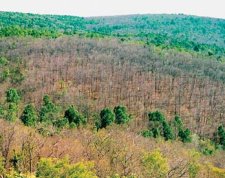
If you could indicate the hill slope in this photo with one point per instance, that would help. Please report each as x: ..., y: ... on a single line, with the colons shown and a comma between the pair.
x: 204, y: 35
x: 118, y: 97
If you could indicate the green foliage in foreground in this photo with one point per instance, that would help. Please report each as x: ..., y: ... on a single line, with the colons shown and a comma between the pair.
x: 53, y: 168
x: 49, y: 168
x: 155, y: 164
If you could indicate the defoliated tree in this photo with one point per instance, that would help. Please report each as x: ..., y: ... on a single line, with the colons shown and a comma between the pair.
x: 107, y: 117
x: 74, y: 117
x: 29, y: 116
x: 12, y: 96
x: 121, y: 116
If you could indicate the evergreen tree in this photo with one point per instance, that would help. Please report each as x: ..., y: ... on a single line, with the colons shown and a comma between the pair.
x: 61, y: 123
x: 220, y: 136
x: 167, y: 131
x: 156, y: 116
x: 156, y: 120
x: 156, y: 132
x: 49, y: 111
x: 221, y: 133
x: 29, y: 116
x: 12, y: 112
x: 121, y: 116
x: 107, y: 117
x: 3, y: 61
x: 185, y: 135
x: 74, y: 116
x: 177, y: 125
x: 12, y: 96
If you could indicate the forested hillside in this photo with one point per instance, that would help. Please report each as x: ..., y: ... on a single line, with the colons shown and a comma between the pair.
x: 118, y: 97
x: 197, y: 34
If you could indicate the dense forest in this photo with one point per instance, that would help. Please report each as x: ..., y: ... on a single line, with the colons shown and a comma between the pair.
x: 118, y: 97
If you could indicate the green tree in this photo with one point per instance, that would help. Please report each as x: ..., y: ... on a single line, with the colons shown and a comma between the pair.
x: 167, y: 131
x: 121, y: 116
x: 156, y: 116
x: 2, y: 111
x: 158, y: 125
x: 49, y: 110
x: 4, y: 75
x: 3, y: 61
x: 29, y: 116
x: 12, y: 96
x: 147, y: 133
x: 16, y: 75
x: 107, y: 117
x: 220, y: 136
x: 185, y: 135
x: 155, y: 164
x: 177, y: 125
x: 12, y: 112
x: 74, y: 116
x: 61, y: 123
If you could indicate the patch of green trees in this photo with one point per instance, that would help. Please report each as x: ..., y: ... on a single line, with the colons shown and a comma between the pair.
x: 160, y: 127
x: 51, y: 114
x: 118, y: 115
